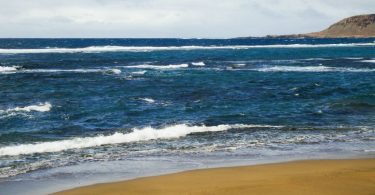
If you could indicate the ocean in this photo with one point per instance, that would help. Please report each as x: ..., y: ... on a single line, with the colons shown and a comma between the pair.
x: 81, y: 111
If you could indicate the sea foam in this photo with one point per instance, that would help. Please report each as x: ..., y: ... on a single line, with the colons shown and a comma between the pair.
x: 139, y: 72
x: 310, y: 69
x: 96, y: 49
x: 143, y: 134
x: 7, y: 69
x: 148, y: 100
x: 41, y: 107
x: 15, y: 69
x: 160, y: 67
x: 114, y: 71
x: 369, y: 61
x: 198, y: 64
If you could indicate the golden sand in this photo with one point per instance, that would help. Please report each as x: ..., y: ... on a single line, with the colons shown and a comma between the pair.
x: 341, y: 177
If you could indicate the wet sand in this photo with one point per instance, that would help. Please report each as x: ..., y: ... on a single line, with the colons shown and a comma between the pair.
x: 341, y: 177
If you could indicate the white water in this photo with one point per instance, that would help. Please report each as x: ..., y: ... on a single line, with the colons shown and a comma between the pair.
x: 369, y: 61
x: 144, y: 134
x: 161, y: 67
x: 310, y: 69
x: 139, y: 72
x: 95, y: 49
x: 79, y: 70
x: 313, y: 59
x: 198, y: 63
x: 238, y: 65
x: 41, y: 107
x: 6, y: 69
x: 353, y: 58
x: 114, y: 71
x: 15, y: 69
x: 148, y: 100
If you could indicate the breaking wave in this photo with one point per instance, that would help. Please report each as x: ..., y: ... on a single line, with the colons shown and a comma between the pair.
x: 17, y: 69
x: 96, y: 49
x: 310, y: 69
x: 143, y: 134
x: 369, y: 61
x: 41, y: 107
x: 8, y: 69
x: 198, y: 63
x: 139, y: 72
x: 148, y: 100
x: 160, y: 67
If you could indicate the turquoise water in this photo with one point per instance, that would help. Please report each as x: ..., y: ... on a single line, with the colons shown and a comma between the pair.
x: 66, y: 102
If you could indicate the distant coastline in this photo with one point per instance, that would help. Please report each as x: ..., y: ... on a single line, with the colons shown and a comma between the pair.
x: 360, y: 26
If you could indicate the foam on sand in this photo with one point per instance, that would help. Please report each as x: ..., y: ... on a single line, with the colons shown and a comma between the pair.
x: 143, y: 134
x: 97, y: 49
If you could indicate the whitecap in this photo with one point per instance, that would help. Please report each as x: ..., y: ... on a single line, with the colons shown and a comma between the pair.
x: 139, y: 72
x: 143, y: 134
x: 313, y: 59
x: 114, y: 71
x: 369, y: 61
x: 319, y: 68
x: 148, y: 100
x: 198, y: 64
x: 78, y: 70
x: 8, y: 69
x: 160, y: 67
x: 353, y: 58
x: 41, y: 107
x: 238, y: 65
x: 96, y: 49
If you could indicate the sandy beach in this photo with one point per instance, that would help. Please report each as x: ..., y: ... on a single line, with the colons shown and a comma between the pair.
x: 355, y: 176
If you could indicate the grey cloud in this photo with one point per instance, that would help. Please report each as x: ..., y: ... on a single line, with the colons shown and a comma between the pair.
x: 171, y: 18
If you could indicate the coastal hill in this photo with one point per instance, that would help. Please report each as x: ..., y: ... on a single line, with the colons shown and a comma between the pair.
x: 361, y: 26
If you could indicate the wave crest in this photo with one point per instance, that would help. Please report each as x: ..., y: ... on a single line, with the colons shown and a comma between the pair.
x: 160, y: 67
x: 144, y: 134
x: 148, y: 100
x: 198, y: 64
x: 16, y: 69
x: 369, y: 61
x: 310, y: 69
x: 96, y: 49
x: 7, y: 69
x: 41, y: 107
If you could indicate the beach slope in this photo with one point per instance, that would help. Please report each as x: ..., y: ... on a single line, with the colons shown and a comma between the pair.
x: 300, y: 177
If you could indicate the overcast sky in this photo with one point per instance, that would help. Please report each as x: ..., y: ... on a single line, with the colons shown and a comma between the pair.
x: 172, y: 18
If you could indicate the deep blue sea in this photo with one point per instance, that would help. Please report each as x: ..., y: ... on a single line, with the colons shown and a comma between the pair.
x: 182, y: 103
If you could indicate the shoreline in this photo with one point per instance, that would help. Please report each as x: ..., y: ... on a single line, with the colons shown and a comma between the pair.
x: 343, y: 176
x: 70, y: 177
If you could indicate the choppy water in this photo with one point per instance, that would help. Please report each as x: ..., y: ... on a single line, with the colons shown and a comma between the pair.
x: 64, y: 102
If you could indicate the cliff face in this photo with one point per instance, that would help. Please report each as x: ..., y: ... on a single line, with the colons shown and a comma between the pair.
x: 356, y: 26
